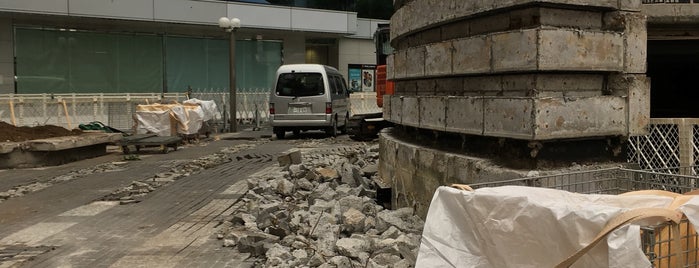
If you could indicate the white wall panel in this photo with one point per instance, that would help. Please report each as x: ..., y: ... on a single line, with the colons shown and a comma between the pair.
x: 135, y: 9
x: 189, y: 11
x: 261, y: 16
x: 35, y: 6
x: 366, y: 28
x: 320, y: 21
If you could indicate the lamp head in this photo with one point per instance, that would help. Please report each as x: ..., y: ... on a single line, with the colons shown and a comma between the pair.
x: 224, y: 23
x: 235, y: 23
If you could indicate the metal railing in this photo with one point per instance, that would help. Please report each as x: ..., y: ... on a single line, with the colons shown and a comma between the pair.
x: 116, y: 110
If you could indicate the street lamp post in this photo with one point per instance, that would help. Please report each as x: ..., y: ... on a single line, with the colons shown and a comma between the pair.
x: 231, y: 25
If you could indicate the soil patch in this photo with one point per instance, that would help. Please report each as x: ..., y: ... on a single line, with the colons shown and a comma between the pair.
x: 10, y: 133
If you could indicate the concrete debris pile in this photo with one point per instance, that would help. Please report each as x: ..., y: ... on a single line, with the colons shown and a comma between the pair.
x: 322, y: 213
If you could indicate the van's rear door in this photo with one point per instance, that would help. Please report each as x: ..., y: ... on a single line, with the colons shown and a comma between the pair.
x: 300, y: 93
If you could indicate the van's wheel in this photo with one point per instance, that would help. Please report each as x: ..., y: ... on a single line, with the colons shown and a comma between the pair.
x: 280, y: 134
x: 332, y: 131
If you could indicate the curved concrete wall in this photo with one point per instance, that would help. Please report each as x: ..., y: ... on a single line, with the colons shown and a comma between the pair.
x: 561, y: 74
x: 415, y: 171
x: 532, y: 70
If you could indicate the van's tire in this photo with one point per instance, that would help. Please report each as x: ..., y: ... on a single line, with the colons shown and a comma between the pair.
x: 280, y: 134
x: 332, y: 131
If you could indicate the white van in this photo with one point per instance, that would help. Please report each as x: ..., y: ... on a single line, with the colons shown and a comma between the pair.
x: 306, y: 97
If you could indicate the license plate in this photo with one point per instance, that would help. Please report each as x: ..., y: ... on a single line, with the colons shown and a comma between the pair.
x: 299, y: 110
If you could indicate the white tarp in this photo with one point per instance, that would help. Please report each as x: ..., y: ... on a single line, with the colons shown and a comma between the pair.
x: 172, y: 119
x: 157, y: 122
x: 209, y: 108
x: 514, y: 226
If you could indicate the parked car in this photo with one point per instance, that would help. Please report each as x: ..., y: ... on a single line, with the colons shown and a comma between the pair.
x: 309, y: 97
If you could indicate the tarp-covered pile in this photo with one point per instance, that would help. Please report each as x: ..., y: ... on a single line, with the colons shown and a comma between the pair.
x: 173, y: 119
x: 516, y: 226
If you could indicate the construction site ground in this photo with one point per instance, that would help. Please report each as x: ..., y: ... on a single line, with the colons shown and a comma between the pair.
x: 58, y: 216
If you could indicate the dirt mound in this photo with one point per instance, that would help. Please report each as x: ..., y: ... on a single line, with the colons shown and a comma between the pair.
x: 11, y: 133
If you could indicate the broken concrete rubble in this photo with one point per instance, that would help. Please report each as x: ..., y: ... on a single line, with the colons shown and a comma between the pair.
x: 322, y: 213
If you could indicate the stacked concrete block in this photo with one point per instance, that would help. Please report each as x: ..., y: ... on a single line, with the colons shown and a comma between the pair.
x: 521, y: 69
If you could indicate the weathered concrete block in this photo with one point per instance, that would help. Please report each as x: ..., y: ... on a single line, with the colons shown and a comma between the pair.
x: 636, y: 88
x: 509, y: 118
x: 415, y: 61
x: 71, y: 142
x: 569, y: 83
x: 412, y: 15
x: 464, y: 115
x: 635, y: 42
x: 466, y: 8
x: 450, y: 86
x: 415, y: 189
x: 396, y: 109
x: 289, y: 158
x: 490, y: 24
x: 564, y: 49
x: 559, y: 118
x: 410, y: 116
x: 515, y: 51
x: 630, y: 5
x: 399, y: 64
x: 553, y: 85
x: 426, y: 87
x: 387, y: 107
x: 432, y: 113
x: 455, y: 30
x: 472, y: 55
x: 388, y: 150
x: 519, y: 85
x: 390, y: 67
x: 578, y: 19
x: 406, y: 88
x: 438, y: 59
x: 482, y: 85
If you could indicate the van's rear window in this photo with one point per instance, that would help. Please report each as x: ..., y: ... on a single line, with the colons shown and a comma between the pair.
x: 300, y: 84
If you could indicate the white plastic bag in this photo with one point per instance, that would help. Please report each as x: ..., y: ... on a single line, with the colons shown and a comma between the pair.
x: 514, y: 226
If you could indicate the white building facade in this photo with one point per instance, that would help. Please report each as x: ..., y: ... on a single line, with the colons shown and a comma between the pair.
x: 120, y: 46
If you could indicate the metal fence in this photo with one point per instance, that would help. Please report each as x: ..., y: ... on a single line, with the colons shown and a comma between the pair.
x: 671, y: 143
x: 116, y: 110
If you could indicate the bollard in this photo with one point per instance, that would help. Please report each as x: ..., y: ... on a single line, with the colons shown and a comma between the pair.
x: 257, y: 118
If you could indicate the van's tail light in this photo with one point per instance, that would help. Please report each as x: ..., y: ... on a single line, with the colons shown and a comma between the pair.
x: 271, y: 108
x: 328, y: 108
